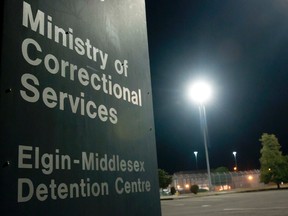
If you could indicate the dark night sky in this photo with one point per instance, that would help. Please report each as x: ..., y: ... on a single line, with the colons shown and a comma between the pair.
x: 241, y: 47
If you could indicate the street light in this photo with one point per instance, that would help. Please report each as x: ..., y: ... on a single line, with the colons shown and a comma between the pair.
x: 196, y: 153
x: 235, y: 159
x: 200, y: 92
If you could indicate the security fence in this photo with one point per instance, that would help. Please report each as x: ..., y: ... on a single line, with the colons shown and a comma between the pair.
x: 220, y: 181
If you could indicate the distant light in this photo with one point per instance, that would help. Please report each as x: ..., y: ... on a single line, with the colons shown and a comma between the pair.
x: 195, y: 153
x: 200, y: 92
x: 234, y: 153
x: 250, y: 177
x: 178, y: 186
x: 187, y: 185
x: 224, y: 187
x: 235, y: 168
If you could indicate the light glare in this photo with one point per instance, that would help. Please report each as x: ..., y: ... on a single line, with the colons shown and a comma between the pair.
x: 200, y: 92
x: 250, y: 177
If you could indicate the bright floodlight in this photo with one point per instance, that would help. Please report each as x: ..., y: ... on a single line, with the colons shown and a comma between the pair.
x: 200, y: 92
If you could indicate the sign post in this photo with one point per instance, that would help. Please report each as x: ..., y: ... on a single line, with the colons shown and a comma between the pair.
x: 77, y: 131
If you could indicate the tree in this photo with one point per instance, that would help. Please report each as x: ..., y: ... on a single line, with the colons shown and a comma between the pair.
x: 164, y: 178
x: 274, y: 166
x: 173, y: 190
x: 194, y: 189
x: 221, y: 169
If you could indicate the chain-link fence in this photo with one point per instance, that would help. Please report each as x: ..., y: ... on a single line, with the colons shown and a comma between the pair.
x: 220, y: 181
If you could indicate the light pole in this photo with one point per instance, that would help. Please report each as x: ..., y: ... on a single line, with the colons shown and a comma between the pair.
x: 196, y: 153
x: 235, y: 159
x: 200, y: 92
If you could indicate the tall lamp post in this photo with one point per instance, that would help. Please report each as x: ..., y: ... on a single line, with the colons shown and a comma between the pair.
x: 200, y: 92
x: 235, y: 160
x: 196, y: 153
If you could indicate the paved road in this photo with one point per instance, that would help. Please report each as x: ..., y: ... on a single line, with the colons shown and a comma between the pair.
x: 265, y: 203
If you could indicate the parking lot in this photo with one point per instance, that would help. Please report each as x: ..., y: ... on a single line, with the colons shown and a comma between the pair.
x: 264, y: 203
